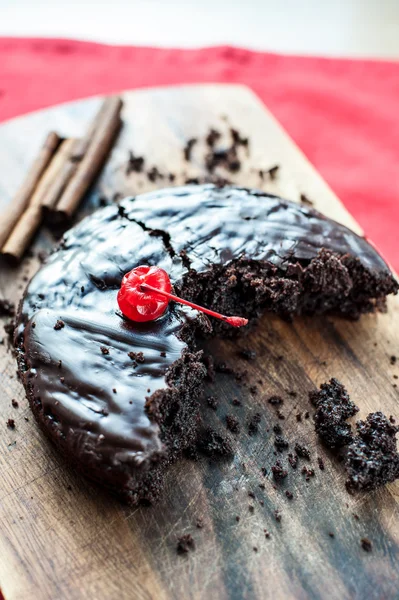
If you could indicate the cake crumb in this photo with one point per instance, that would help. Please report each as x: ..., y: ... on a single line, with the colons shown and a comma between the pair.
x: 185, y: 544
x: 212, y: 402
x: 280, y: 443
x: 104, y: 350
x: 137, y: 356
x: 14, y: 403
x: 302, y: 451
x: 275, y: 400
x: 212, y: 443
x: 277, y: 515
x: 7, y: 308
x: 59, y: 325
x: 372, y: 459
x: 247, y: 354
x: 11, y: 424
x: 253, y: 423
x: 232, y: 424
x: 333, y: 408
x: 366, y: 544
x: 278, y: 471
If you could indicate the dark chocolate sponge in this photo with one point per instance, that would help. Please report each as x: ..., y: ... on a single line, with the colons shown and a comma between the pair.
x: 372, y: 459
x: 123, y: 417
x: 333, y: 407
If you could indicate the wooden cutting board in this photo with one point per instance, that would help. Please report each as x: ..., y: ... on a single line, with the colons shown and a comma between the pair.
x: 63, y: 538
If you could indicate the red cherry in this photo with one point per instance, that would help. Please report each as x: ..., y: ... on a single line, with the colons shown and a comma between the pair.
x: 145, y: 294
x: 137, y: 304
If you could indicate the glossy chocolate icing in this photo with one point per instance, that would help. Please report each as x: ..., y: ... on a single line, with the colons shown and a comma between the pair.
x: 94, y: 400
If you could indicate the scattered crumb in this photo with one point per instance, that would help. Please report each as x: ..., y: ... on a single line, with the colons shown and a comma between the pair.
x: 253, y: 423
x: 302, y: 451
x: 135, y: 164
x: 278, y: 471
x: 247, y: 354
x: 333, y: 408
x: 372, y: 459
x: 7, y: 308
x: 188, y: 148
x: 366, y: 544
x: 59, y: 325
x: 11, y: 424
x: 212, y: 402
x: 275, y: 400
x: 232, y: 424
x: 280, y: 443
x: 185, y: 543
x: 212, y: 443
x: 136, y: 356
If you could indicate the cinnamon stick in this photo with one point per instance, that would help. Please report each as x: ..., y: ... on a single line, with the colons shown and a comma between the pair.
x: 21, y: 200
x: 31, y: 218
x: 102, y: 132
x: 23, y: 232
x: 64, y: 167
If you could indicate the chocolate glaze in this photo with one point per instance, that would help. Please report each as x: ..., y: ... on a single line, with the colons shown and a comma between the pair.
x: 79, y: 283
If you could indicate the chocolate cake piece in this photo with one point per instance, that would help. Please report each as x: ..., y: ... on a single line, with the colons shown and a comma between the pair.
x: 123, y: 421
x: 333, y: 407
x: 372, y: 459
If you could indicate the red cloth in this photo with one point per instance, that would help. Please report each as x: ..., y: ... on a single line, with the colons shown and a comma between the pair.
x: 344, y: 114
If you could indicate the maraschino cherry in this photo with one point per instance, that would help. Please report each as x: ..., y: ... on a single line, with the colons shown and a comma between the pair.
x: 145, y: 295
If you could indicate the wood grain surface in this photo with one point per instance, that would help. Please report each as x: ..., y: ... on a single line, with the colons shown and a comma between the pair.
x: 63, y: 538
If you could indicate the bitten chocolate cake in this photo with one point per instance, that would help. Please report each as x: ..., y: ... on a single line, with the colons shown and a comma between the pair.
x: 119, y: 398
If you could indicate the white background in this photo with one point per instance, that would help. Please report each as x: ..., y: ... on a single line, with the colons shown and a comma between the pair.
x: 333, y: 27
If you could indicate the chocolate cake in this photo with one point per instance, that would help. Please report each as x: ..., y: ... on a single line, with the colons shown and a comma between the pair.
x: 123, y: 420
x: 333, y: 408
x: 372, y: 458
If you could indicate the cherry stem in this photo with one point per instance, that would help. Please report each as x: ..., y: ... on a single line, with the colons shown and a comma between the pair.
x: 234, y: 321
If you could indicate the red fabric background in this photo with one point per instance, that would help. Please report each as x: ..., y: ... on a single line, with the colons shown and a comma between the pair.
x: 344, y: 114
